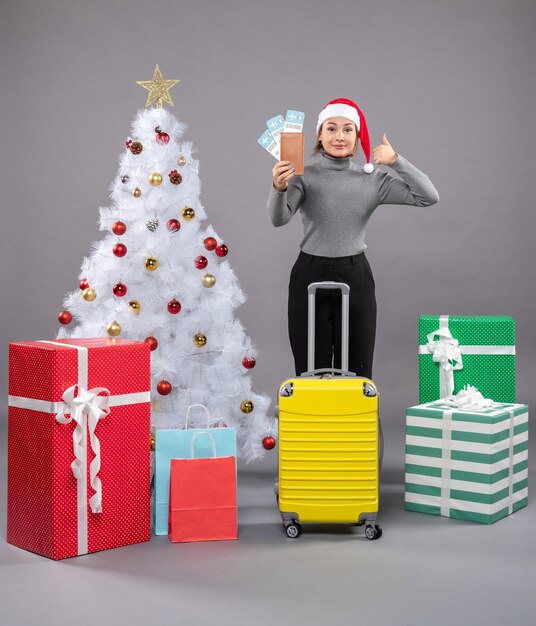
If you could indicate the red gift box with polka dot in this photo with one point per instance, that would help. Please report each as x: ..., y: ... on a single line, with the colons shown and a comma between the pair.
x: 42, y: 509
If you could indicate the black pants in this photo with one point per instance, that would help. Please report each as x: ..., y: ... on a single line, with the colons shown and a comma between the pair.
x: 356, y: 273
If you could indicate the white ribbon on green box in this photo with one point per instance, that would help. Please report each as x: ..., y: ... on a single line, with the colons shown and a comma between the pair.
x: 85, y: 407
x: 511, y: 465
x: 446, y: 454
x: 447, y: 351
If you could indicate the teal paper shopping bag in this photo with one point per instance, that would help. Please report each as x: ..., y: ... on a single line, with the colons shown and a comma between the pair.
x: 175, y: 444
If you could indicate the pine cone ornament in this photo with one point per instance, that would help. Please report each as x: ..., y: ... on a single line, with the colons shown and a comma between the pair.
x: 175, y: 177
x: 136, y: 147
x: 153, y: 224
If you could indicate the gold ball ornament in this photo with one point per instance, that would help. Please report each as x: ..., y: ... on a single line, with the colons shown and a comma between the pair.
x: 137, y: 192
x: 208, y: 280
x: 151, y: 264
x: 246, y: 406
x: 182, y: 161
x: 200, y: 340
x: 155, y: 179
x: 153, y: 442
x: 113, y: 329
x: 135, y: 306
x: 188, y: 213
x: 89, y: 294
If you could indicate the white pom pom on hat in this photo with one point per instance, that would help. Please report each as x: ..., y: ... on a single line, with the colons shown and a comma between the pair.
x: 342, y: 107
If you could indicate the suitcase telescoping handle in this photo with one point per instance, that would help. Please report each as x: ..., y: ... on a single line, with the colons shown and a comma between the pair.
x: 312, y: 289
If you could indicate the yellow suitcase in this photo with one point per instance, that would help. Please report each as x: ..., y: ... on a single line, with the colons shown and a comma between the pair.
x: 329, y: 444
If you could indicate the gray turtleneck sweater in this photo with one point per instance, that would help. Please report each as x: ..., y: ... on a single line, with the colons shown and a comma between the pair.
x: 336, y: 199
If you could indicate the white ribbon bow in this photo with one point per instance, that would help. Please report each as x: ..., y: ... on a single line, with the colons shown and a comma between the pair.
x: 86, y: 403
x: 445, y: 351
x: 469, y: 399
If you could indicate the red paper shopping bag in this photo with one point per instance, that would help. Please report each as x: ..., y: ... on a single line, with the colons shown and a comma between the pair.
x: 202, y: 497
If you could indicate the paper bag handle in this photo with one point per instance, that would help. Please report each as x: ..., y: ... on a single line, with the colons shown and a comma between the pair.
x: 201, y: 406
x: 212, y: 443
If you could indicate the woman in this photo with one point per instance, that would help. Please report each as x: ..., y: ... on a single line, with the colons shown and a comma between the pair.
x: 336, y: 199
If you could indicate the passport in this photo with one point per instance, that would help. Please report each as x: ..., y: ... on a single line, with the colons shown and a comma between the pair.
x: 292, y: 149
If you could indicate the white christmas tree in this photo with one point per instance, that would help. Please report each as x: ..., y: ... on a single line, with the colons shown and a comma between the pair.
x: 159, y: 276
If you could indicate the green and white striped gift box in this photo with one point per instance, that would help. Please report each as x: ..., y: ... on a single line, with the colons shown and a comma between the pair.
x: 469, y: 465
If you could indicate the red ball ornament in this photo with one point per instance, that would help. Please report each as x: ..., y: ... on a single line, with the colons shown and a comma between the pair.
x: 173, y: 225
x: 164, y: 388
x: 249, y: 362
x: 64, y: 317
x: 84, y: 284
x: 119, y: 249
x: 162, y: 138
x: 174, y: 307
x: 268, y: 443
x: 119, y: 228
x: 201, y: 262
x: 119, y: 290
x: 222, y: 250
x: 210, y: 243
x: 153, y: 343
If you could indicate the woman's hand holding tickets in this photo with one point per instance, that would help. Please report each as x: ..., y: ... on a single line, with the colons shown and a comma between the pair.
x: 282, y: 172
x: 384, y: 153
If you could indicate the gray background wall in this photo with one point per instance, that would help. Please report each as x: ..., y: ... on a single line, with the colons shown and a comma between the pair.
x: 451, y: 83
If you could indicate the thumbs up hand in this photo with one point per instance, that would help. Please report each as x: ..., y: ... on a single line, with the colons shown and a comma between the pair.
x: 383, y: 154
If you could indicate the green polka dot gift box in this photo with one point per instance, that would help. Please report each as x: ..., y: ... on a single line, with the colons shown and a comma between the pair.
x: 467, y: 464
x: 455, y: 351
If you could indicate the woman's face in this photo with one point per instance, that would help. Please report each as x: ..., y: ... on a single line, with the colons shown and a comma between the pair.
x: 339, y: 137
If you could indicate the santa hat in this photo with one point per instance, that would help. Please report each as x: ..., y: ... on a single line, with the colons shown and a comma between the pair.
x: 341, y: 107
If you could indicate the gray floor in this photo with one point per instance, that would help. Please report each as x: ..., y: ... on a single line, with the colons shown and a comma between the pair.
x: 424, y: 570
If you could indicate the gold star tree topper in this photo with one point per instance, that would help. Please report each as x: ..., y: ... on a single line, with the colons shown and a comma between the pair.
x: 158, y: 89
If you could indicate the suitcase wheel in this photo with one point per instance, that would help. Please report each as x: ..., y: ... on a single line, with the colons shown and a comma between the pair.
x: 293, y: 530
x: 373, y: 532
